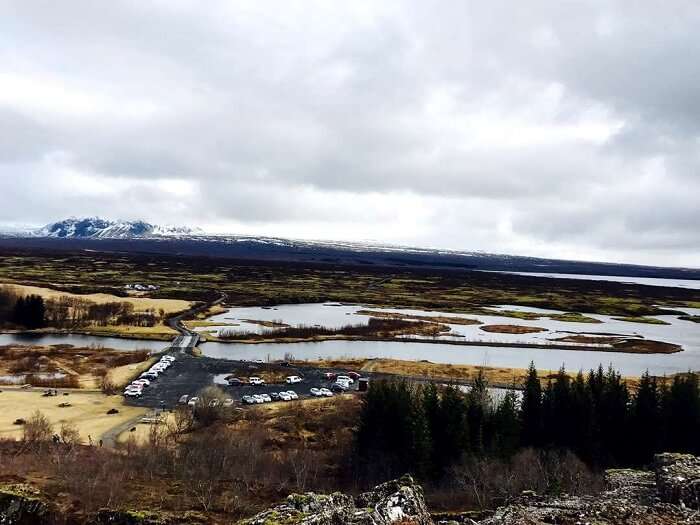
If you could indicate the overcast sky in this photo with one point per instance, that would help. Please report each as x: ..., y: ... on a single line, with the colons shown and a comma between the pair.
x: 559, y: 129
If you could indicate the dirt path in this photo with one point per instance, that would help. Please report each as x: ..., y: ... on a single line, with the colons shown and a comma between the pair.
x: 110, y: 438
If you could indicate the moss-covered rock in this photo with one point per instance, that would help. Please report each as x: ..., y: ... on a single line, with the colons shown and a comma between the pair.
x: 22, y: 505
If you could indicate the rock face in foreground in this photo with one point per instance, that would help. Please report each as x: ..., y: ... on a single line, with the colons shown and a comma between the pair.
x: 399, y: 501
x: 22, y: 505
x: 668, y: 495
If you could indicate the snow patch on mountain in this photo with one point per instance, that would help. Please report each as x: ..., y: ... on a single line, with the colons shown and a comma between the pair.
x: 96, y: 228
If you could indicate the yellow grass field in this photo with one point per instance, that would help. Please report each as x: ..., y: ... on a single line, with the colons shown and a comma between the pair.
x: 140, y: 303
x: 122, y: 375
x: 88, y: 411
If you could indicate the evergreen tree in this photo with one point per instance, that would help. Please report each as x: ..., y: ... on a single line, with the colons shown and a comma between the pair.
x: 507, y: 426
x: 478, y: 403
x: 531, y: 410
x: 645, y: 421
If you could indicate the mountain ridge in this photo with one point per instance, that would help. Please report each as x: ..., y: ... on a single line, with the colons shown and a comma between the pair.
x: 94, y: 233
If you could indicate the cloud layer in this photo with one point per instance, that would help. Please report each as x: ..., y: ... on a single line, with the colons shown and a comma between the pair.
x: 541, y: 128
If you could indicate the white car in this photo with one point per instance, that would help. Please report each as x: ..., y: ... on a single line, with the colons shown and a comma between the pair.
x: 143, y: 381
x: 256, y: 381
x: 266, y: 398
x: 214, y: 403
x: 183, y: 399
x: 167, y: 358
x: 258, y: 399
x: 293, y: 379
x: 292, y: 394
x: 316, y: 392
x: 346, y: 379
x: 228, y: 402
x: 325, y: 392
x: 284, y: 396
x: 133, y: 393
x: 193, y: 401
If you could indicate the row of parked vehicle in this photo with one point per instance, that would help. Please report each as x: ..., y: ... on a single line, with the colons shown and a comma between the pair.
x: 135, y: 388
x: 258, y: 381
x: 213, y: 403
x: 257, y: 399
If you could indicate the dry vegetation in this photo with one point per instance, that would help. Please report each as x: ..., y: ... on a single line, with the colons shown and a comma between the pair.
x: 225, y: 470
x: 141, y: 304
x: 82, y: 367
x: 511, y: 329
x: 376, y: 328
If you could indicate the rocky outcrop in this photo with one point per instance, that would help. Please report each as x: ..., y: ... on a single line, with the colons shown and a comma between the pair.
x: 678, y: 479
x: 22, y: 505
x: 668, y: 495
x: 399, y: 501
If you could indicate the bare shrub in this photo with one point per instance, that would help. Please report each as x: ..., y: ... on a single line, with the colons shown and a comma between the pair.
x: 488, y: 482
x: 37, y: 430
x: 69, y: 435
x: 209, y: 407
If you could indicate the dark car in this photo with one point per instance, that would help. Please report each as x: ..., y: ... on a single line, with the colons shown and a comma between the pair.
x: 338, y: 388
x: 234, y: 381
x: 353, y: 375
x: 275, y: 396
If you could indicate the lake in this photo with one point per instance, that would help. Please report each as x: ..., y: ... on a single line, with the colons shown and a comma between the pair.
x: 680, y: 332
x: 80, y: 340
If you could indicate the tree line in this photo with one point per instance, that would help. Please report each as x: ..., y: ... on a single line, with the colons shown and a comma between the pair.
x: 428, y: 430
x: 33, y: 311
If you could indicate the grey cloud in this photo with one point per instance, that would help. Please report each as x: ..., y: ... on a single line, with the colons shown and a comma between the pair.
x: 548, y: 124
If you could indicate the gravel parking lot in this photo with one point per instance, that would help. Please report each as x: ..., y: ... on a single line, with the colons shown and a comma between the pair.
x: 190, y: 374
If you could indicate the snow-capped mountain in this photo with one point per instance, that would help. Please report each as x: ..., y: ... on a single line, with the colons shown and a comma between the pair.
x: 96, y: 228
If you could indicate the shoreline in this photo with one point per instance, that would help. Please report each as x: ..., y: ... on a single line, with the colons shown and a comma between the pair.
x: 624, y: 346
x: 671, y: 348
x: 59, y: 331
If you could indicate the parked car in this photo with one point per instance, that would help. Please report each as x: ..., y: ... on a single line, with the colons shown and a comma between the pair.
x: 248, y: 400
x: 329, y: 375
x: 338, y: 388
x: 133, y: 393
x: 228, y: 402
x: 258, y: 399
x: 152, y: 376
x: 345, y: 378
x: 284, y: 396
x: 326, y: 393
x: 266, y: 398
x: 143, y: 381
x: 183, y: 399
x: 256, y: 381
x: 292, y: 394
x: 214, y: 403
x: 343, y: 382
x: 274, y: 396
x: 316, y: 392
x: 293, y: 379
x: 353, y: 375
x: 235, y: 381
x: 193, y: 401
